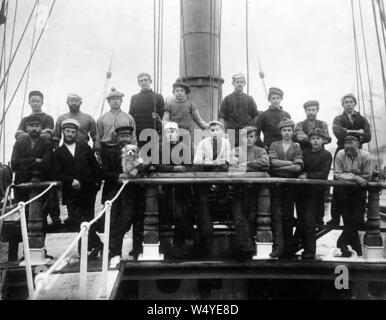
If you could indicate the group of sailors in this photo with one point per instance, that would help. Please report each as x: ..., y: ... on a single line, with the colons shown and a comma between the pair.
x: 287, y: 150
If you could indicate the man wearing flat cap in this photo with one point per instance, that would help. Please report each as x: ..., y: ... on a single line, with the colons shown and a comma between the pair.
x: 303, y: 128
x: 30, y: 158
x: 352, y: 164
x: 317, y: 164
x: 123, y: 209
x: 36, y: 100
x: 238, y: 109
x: 87, y: 123
x: 106, y: 140
x: 78, y: 170
x: 144, y: 104
x: 269, y: 120
x: 351, y: 123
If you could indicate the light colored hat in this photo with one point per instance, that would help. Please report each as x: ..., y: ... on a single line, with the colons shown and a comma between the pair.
x: 238, y: 76
x: 74, y: 95
x: 214, y: 122
x: 114, y: 94
x: 349, y: 95
x: 275, y: 91
x: 70, y: 123
x: 171, y: 125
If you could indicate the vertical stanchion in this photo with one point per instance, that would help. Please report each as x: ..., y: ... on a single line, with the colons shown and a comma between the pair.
x: 27, y: 256
x: 83, y: 261
x: 103, y: 292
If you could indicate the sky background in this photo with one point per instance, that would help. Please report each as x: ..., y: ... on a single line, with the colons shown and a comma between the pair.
x: 305, y: 48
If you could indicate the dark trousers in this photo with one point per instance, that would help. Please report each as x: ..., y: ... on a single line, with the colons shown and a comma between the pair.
x: 122, y: 215
x: 178, y: 196
x: 282, y: 209
x: 352, y: 205
x: 82, y: 209
x: 308, y: 211
x: 204, y: 217
x: 244, y: 207
x: 51, y: 206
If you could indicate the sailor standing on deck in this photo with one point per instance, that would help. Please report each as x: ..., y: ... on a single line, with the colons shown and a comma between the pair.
x: 144, y: 104
x: 269, y: 120
x: 87, y: 123
x: 352, y: 164
x: 238, y: 109
x: 122, y: 210
x: 106, y: 138
x: 78, y: 169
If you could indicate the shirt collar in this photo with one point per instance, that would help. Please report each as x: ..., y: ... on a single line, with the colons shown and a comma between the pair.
x: 272, y: 108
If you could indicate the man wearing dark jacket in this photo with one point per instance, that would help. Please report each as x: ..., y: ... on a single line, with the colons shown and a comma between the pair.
x: 123, y: 208
x: 78, y: 169
x: 317, y: 163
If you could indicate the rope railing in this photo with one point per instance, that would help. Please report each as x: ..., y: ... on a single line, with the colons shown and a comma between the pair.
x: 24, y: 232
x: 42, y: 279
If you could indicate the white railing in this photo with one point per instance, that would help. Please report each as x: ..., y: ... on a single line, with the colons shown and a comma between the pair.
x: 24, y: 233
x: 42, y: 279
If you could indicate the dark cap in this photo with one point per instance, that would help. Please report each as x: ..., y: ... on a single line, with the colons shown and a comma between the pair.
x: 125, y: 129
x: 311, y: 103
x: 319, y: 132
x: 35, y: 93
x: 350, y: 138
x: 181, y: 85
x: 32, y: 119
x: 286, y: 122
x: 273, y: 91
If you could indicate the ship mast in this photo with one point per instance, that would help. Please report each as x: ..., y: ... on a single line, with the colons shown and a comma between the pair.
x: 200, y: 54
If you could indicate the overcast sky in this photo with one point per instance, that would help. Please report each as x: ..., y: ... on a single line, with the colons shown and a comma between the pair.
x: 305, y: 47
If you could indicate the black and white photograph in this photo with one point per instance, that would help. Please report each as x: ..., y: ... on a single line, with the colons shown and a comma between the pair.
x: 194, y: 155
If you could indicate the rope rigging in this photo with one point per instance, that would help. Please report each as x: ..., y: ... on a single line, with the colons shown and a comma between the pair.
x: 247, y: 40
x: 29, y: 60
x: 183, y: 41
x: 369, y: 84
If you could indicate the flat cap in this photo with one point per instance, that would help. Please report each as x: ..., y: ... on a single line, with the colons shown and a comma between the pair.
x: 33, y: 119
x: 35, y: 93
x: 124, y: 129
x: 250, y: 129
x: 311, y: 103
x: 238, y: 76
x: 114, y: 94
x: 319, y: 132
x: 274, y: 90
x: 349, y: 95
x: 350, y: 138
x: 144, y: 74
x: 171, y: 125
x: 70, y: 123
x: 182, y: 85
x: 216, y: 123
x: 286, y: 122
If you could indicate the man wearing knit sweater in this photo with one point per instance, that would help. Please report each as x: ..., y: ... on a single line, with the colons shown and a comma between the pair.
x: 317, y: 163
x: 144, y: 104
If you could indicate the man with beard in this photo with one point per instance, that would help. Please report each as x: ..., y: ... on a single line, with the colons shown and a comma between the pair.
x: 349, y: 123
x: 144, y: 104
x: 123, y: 209
x: 303, y: 128
x: 78, y: 169
x: 30, y: 157
x: 87, y: 125
x: 352, y: 164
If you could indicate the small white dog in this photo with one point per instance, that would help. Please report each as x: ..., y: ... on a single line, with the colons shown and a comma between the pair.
x: 131, y: 159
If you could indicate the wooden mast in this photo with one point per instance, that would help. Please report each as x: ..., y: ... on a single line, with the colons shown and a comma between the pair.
x: 200, y: 54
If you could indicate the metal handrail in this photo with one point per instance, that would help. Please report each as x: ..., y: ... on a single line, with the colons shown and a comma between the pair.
x: 42, y: 279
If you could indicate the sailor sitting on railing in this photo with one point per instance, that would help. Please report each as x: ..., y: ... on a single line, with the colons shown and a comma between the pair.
x: 78, y: 169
